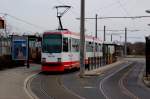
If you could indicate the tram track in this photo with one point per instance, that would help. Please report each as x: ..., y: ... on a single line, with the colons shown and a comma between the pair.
x: 114, y: 84
x: 123, y: 87
x: 125, y: 83
x: 29, y: 91
x: 51, y: 87
x: 118, y: 76
x: 43, y: 90
x: 47, y: 81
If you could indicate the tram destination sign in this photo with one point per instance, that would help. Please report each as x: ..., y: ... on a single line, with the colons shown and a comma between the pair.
x: 19, y: 48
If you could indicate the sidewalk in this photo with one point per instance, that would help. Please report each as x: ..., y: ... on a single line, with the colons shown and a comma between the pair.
x: 12, y: 82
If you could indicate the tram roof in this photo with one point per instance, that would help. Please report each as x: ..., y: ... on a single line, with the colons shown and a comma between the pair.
x: 72, y: 33
x: 106, y: 42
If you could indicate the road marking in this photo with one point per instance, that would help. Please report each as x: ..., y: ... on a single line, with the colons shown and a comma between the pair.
x: 27, y: 86
x: 88, y: 87
x: 73, y: 93
x: 101, y: 88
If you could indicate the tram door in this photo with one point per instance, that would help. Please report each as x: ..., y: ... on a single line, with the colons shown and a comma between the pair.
x: 67, y: 49
x: 70, y: 50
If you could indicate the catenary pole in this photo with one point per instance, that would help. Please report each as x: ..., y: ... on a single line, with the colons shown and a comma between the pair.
x: 82, y: 39
x: 104, y: 33
x: 96, y: 25
x: 111, y: 37
x: 125, y: 45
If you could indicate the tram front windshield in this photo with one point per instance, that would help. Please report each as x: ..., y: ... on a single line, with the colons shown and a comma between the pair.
x: 52, y: 43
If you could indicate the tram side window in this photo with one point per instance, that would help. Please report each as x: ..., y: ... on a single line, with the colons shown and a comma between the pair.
x: 100, y: 47
x: 65, y: 44
x: 96, y: 47
x: 89, y: 46
x: 70, y: 45
x: 75, y: 45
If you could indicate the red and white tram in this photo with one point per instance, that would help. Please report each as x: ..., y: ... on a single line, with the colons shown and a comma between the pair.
x: 60, y: 50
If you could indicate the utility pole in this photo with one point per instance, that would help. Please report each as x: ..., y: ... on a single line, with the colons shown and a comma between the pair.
x: 96, y: 25
x: 104, y: 33
x: 82, y: 39
x: 125, y: 44
x: 111, y: 37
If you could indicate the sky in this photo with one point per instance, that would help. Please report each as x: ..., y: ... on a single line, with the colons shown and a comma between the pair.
x: 42, y: 14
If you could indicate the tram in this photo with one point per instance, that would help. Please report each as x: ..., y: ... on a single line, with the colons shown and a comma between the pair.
x: 60, y: 50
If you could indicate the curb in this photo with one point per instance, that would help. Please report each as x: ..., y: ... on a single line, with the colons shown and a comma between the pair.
x: 101, y: 70
x: 146, y: 82
x: 27, y: 88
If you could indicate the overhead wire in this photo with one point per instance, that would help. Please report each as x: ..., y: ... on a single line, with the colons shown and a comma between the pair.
x: 117, y: 2
x: 123, y: 8
x: 24, y: 21
x: 73, y: 12
x: 127, y: 13
x: 16, y: 28
x: 107, y: 6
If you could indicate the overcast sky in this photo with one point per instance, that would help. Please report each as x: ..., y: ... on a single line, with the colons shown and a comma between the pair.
x: 42, y: 13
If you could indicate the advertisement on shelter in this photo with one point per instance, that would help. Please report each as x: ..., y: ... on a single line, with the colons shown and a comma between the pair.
x: 19, y: 48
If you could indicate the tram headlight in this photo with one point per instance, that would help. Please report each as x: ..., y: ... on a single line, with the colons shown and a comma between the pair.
x: 59, y: 59
x: 43, y: 60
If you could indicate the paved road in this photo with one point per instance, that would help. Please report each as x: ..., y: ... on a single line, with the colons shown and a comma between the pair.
x: 47, y: 86
x: 112, y: 87
x: 90, y: 87
x: 126, y: 84
x: 133, y: 82
x: 121, y: 82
